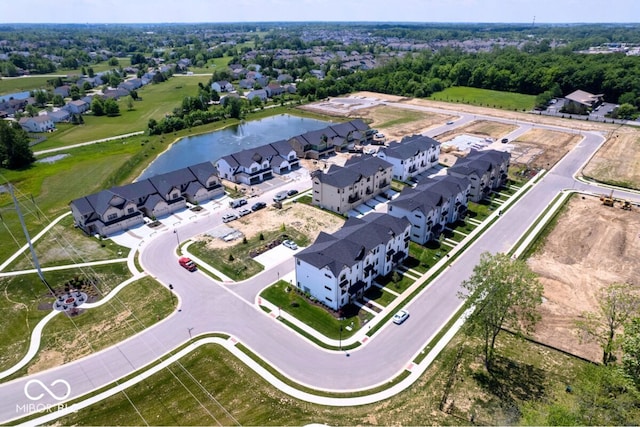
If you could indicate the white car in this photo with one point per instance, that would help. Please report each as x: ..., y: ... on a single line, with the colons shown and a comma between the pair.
x: 229, y: 217
x: 290, y: 244
x: 400, y: 316
x: 244, y: 211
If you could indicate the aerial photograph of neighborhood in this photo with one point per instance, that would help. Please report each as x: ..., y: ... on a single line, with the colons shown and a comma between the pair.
x: 304, y: 212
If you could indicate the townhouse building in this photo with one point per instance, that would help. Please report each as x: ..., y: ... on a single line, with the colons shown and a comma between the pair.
x: 431, y: 205
x: 338, y: 268
x: 120, y: 208
x: 487, y: 171
x: 341, y: 189
x: 411, y: 156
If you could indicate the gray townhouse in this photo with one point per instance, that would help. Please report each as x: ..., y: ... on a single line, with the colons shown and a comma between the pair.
x: 487, y: 171
x: 341, y: 189
x: 431, y: 205
x: 120, y: 208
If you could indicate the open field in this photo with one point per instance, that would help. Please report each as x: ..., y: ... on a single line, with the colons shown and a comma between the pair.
x: 542, y: 148
x: 591, y: 246
x: 21, y: 84
x: 486, y: 98
x: 618, y: 161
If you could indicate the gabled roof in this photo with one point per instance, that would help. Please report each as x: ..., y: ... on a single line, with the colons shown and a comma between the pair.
x: 135, y: 190
x: 582, y: 97
x: 354, y: 169
x: 409, y: 147
x: 352, y: 242
x: 203, y: 171
x: 479, y: 162
x: 175, y: 179
x: 430, y: 193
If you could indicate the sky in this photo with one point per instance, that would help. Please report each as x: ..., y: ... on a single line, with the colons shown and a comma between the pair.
x: 169, y: 11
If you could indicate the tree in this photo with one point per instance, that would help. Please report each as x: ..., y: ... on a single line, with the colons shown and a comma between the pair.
x: 97, y: 106
x: 15, y: 152
x: 111, y: 107
x: 57, y: 100
x: 625, y: 111
x: 129, y: 101
x: 618, y: 304
x: 505, y: 293
x: 631, y: 350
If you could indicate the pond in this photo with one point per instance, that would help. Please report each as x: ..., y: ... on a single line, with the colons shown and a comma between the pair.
x: 212, y: 146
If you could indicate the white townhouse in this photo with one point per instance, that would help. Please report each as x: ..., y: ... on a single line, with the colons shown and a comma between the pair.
x: 431, y: 205
x: 254, y: 165
x: 487, y: 170
x: 340, y: 189
x: 37, y: 124
x: 411, y: 156
x: 338, y: 268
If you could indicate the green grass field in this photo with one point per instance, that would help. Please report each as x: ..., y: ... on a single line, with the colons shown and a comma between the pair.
x: 486, y: 98
x: 20, y: 84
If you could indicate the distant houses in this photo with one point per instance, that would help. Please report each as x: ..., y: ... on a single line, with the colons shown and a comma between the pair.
x: 120, y: 208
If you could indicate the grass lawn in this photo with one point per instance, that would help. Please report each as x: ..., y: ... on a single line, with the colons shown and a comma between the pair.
x: 210, y: 386
x: 157, y: 100
x: 400, y: 286
x: 22, y: 84
x: 316, y: 316
x: 380, y: 296
x: 23, y: 295
x: 135, y: 308
x: 486, y: 98
x: 236, y: 261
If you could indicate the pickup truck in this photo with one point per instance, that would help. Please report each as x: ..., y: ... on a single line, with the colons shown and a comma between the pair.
x: 187, y: 263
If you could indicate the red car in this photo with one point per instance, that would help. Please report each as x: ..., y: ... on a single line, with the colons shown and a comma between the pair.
x: 188, y: 263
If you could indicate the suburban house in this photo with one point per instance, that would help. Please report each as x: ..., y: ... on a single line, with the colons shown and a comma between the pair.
x: 338, y: 268
x: 411, y: 156
x: 222, y: 86
x: 120, y: 208
x: 247, y: 84
x: 37, y: 124
x: 78, y: 106
x: 258, y: 93
x: 274, y: 89
x: 583, y: 101
x: 431, y: 205
x: 60, y: 115
x: 255, y: 165
x: 487, y: 171
x: 341, y: 189
x: 63, y: 90
x: 351, y: 133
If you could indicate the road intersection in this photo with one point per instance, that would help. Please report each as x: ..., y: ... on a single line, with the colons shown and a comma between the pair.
x: 208, y: 307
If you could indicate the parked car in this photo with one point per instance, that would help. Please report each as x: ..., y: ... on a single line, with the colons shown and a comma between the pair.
x: 505, y: 140
x: 244, y: 211
x: 258, y: 206
x: 187, y: 263
x: 400, y: 316
x: 292, y: 192
x: 229, y: 217
x: 450, y: 123
x: 237, y: 203
x: 290, y: 244
x: 280, y: 196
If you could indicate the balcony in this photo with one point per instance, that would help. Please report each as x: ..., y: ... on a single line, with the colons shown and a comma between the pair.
x: 353, y: 198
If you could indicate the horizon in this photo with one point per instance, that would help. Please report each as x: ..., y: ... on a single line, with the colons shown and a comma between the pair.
x: 88, y: 12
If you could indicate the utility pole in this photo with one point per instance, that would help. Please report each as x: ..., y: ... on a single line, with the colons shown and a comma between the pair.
x: 26, y: 234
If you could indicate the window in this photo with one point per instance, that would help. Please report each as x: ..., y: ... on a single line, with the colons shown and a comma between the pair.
x: 112, y: 216
x: 327, y: 287
x: 130, y: 210
x: 328, y: 299
x: 298, y: 261
x: 415, y: 235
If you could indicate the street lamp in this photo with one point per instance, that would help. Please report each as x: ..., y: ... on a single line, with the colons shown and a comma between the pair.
x: 175, y: 231
x: 340, y: 342
x: 189, y: 329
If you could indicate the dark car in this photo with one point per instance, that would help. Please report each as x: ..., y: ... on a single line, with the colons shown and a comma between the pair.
x: 258, y: 206
x: 292, y: 192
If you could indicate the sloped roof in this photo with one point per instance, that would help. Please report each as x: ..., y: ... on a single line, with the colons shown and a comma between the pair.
x: 479, y: 162
x: 203, y: 171
x: 352, y: 242
x: 409, y: 147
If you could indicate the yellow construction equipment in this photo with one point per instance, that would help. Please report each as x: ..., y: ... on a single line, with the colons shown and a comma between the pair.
x: 607, y: 200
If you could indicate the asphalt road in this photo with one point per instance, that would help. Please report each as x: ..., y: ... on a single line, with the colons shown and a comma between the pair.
x: 209, y: 307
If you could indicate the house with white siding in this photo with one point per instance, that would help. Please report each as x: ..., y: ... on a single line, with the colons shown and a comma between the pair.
x: 487, y: 170
x: 37, y: 124
x: 338, y: 268
x: 411, y: 156
x: 431, y: 205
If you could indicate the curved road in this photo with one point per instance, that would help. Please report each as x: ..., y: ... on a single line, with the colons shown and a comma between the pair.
x: 209, y: 307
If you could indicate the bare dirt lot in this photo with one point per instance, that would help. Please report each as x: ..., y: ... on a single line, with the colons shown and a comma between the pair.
x: 302, y: 218
x: 591, y: 246
x: 541, y: 148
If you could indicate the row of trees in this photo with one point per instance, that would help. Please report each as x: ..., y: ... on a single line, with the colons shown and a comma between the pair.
x: 15, y: 152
